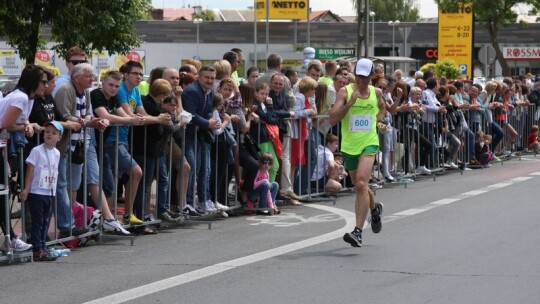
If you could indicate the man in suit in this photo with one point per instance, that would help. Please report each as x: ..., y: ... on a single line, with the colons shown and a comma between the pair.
x: 197, y: 99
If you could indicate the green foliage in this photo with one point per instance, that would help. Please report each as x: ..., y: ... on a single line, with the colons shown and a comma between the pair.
x: 90, y: 24
x: 391, y: 10
x: 447, y: 68
x: 206, y: 15
x: 427, y: 66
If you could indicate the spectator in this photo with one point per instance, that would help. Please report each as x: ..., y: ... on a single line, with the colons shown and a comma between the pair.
x: 73, y: 56
x: 40, y: 188
x: 73, y: 104
x: 326, y: 175
x: 14, y: 112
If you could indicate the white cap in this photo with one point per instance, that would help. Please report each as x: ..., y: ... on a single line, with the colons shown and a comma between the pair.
x: 364, y: 67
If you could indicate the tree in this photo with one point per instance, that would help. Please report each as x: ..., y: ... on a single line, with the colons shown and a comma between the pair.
x: 206, y: 15
x: 492, y: 15
x: 90, y: 24
x: 391, y: 10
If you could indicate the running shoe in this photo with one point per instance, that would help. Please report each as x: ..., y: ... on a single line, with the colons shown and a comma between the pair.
x: 353, y: 238
x: 114, y: 226
x: 375, y: 218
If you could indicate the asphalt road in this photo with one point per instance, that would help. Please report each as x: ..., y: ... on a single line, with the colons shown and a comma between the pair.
x: 471, y: 238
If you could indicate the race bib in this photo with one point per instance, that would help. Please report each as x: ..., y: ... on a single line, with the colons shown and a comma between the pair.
x: 360, y: 123
x: 47, y: 179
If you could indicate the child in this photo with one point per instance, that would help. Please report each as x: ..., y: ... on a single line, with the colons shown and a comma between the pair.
x: 533, y: 141
x: 326, y: 174
x: 483, y: 155
x: 260, y: 132
x: 40, y: 187
x: 264, y: 191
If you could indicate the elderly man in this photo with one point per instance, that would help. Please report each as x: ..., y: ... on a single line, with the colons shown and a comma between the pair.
x: 73, y: 102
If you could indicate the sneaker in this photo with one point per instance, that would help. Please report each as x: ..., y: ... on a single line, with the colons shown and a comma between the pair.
x: 375, y: 186
x: 453, y: 165
x: 423, y: 170
x: 114, y: 226
x: 222, y: 207
x: 375, y: 218
x: 210, y: 207
x: 166, y: 217
x: 150, y: 218
x: 200, y: 210
x: 223, y: 214
x: 189, y: 210
x: 389, y: 179
x: 131, y: 219
x: 353, y: 238
x: 19, y: 245
x: 263, y: 212
x: 43, y: 256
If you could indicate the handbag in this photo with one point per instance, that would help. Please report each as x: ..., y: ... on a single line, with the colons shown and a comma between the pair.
x: 77, y: 155
x: 251, y: 147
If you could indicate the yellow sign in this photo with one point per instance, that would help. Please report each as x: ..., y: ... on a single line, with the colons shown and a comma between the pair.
x: 456, y: 37
x: 287, y: 9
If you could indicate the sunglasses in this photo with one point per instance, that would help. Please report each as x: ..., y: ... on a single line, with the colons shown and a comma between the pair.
x: 75, y: 62
x: 44, y: 82
x: 266, y: 162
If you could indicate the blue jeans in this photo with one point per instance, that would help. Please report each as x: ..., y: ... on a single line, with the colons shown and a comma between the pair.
x: 260, y: 193
x: 150, y: 172
x: 40, y: 210
x: 201, y: 163
x: 497, y: 134
x: 64, y: 217
x: 92, y: 168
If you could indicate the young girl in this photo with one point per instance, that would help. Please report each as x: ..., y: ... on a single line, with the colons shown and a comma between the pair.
x: 265, y: 111
x: 221, y: 156
x: 483, y: 155
x: 263, y: 190
x: 40, y: 187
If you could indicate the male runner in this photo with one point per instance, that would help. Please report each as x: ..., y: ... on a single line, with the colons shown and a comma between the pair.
x: 360, y: 108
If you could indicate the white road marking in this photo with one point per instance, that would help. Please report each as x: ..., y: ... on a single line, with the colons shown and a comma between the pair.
x: 474, y: 192
x: 445, y: 201
x: 348, y: 216
x: 151, y: 288
x: 535, y: 173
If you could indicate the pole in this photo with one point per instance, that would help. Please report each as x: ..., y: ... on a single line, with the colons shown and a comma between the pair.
x: 373, y: 33
x: 267, y: 27
x: 393, y: 38
x: 308, y: 25
x: 359, y: 39
x: 198, y: 40
x: 366, y: 26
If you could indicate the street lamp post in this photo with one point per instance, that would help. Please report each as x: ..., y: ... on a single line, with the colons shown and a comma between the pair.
x: 393, y: 24
x: 372, y: 15
x: 197, y: 21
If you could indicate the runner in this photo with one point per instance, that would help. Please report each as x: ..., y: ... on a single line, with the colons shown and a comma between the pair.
x: 360, y: 108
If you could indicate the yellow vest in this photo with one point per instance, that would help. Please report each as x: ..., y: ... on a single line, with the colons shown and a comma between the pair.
x: 359, y: 126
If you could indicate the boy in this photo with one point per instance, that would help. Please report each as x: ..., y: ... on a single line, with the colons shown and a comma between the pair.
x: 326, y: 175
x: 533, y: 141
x: 40, y: 187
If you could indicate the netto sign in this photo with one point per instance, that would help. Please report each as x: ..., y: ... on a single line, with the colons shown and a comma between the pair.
x: 292, y: 9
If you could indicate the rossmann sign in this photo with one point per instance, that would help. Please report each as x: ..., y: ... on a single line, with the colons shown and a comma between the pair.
x: 521, y: 53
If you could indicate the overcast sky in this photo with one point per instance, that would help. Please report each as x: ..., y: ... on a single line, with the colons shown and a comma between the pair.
x: 340, y: 7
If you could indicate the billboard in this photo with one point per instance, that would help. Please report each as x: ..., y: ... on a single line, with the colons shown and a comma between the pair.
x: 455, y: 37
x: 290, y: 9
